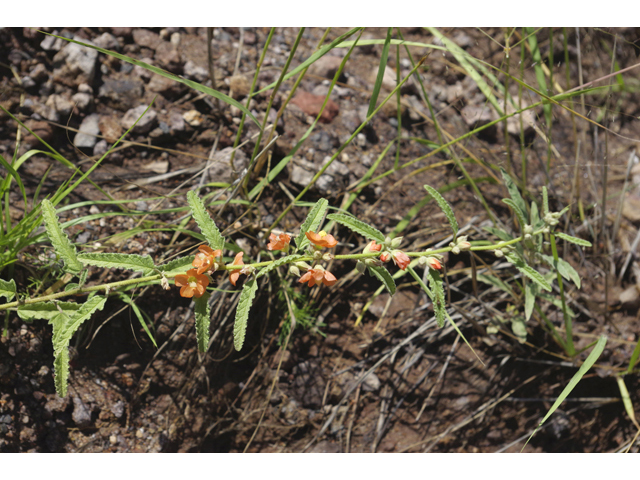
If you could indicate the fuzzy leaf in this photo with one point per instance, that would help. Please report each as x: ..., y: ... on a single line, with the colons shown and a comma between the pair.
x: 439, y: 303
x: 64, y: 326
x: 203, y: 319
x: 207, y: 225
x: 564, y: 268
x: 445, y: 207
x: 519, y: 213
x: 529, y: 272
x: 179, y: 265
x: 242, y: 312
x: 276, y: 263
x: 514, y: 193
x: 46, y: 310
x: 137, y: 263
x: 59, y: 239
x: 530, y: 293
x: 545, y: 201
x: 7, y: 289
x: 385, y: 277
x: 577, y: 241
x: 358, y: 226
x: 312, y: 222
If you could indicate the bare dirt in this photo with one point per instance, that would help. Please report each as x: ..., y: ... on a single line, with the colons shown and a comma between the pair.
x: 426, y: 390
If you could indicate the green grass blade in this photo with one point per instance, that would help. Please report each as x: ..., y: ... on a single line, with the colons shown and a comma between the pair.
x: 136, y: 310
x: 588, y: 363
x: 381, y: 70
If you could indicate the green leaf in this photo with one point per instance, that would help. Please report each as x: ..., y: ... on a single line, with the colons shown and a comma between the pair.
x: 129, y: 301
x: 46, y: 310
x: 496, y: 282
x: 384, y: 276
x: 519, y: 328
x: 519, y: 213
x: 204, y: 221
x: 358, y: 226
x: 445, y: 207
x: 530, y: 293
x: 242, y: 312
x: 381, y: 70
x: 137, y: 263
x: 203, y: 319
x: 439, y: 302
x: 312, y: 222
x: 529, y: 272
x: 545, y: 201
x: 564, y: 268
x: 59, y: 239
x: 179, y: 265
x: 64, y: 326
x: 626, y: 400
x: 7, y: 289
x: 588, y: 363
x: 276, y: 263
x: 514, y: 193
x: 577, y: 241
x: 501, y: 234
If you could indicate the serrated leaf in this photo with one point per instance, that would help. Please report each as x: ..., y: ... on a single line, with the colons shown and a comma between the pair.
x: 519, y: 213
x: 179, y: 265
x: 8, y: 289
x: 64, y: 326
x: 203, y: 319
x: 59, y: 239
x: 137, y: 263
x: 564, y: 268
x: 445, y: 207
x: 276, y: 263
x: 439, y: 302
x: 530, y: 293
x: 312, y: 222
x: 242, y: 312
x: 514, y: 193
x: 358, y: 226
x: 529, y: 272
x: 545, y: 201
x: 46, y: 310
x: 385, y: 278
x: 207, y: 225
x: 577, y: 241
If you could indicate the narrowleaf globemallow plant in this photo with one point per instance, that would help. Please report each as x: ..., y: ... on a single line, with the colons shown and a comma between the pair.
x: 305, y: 258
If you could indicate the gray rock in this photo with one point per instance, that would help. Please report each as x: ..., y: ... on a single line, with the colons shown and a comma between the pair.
x: 39, y: 73
x: 100, y: 148
x: 194, y: 72
x: 322, y: 141
x: 146, y: 38
x: 76, y: 61
x: 145, y: 124
x: 85, y: 88
x: 82, y: 100
x: 220, y: 168
x: 52, y: 43
x: 45, y: 111
x: 61, y: 104
x: 86, y: 137
x: 371, y: 383
x: 142, y: 72
x: 28, y: 82
x: 326, y: 67
x: 81, y: 413
x: 167, y: 56
x: 301, y: 176
x: 121, y: 94
x: 176, y: 122
x: 107, y: 41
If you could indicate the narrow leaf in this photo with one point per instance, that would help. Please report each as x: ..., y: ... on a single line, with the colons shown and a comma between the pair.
x: 46, y: 310
x: 530, y: 293
x: 276, y: 263
x: 577, y: 241
x: 588, y: 363
x: 7, y: 289
x: 626, y: 400
x: 496, y: 282
x: 129, y: 301
x: 204, y: 221
x: 242, y: 312
x: 545, y: 201
x: 312, y: 222
x: 203, y: 319
x: 445, y: 207
x: 519, y: 213
x: 358, y: 226
x: 564, y: 268
x: 137, y: 263
x: 59, y: 239
x: 514, y: 193
x: 385, y: 277
x: 529, y: 272
x: 381, y: 70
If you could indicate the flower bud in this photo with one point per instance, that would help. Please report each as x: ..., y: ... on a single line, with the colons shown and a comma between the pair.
x: 499, y: 253
x: 395, y: 243
x: 372, y: 246
x: 422, y: 261
x: 385, y: 257
x: 317, y: 255
x: 293, y: 270
x: 455, y: 250
x: 327, y: 257
x: 360, y: 266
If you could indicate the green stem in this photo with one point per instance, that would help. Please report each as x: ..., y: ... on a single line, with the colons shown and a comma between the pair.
x: 568, y: 326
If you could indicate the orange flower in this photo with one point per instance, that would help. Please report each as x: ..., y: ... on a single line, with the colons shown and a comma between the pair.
x: 322, y: 239
x: 372, y: 246
x: 385, y: 257
x: 206, y: 259
x: 400, y: 259
x: 280, y: 242
x: 434, y: 263
x: 193, y: 284
x: 235, y: 273
x: 317, y: 275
